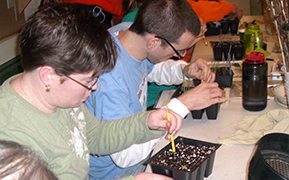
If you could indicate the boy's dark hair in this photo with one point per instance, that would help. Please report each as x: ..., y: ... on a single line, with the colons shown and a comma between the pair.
x: 68, y: 39
x: 166, y: 18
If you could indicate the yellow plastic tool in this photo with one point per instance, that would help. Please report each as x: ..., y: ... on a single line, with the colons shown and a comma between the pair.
x: 172, y: 137
x: 205, y: 41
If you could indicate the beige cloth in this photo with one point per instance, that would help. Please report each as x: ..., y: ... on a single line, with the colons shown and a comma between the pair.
x: 255, y: 126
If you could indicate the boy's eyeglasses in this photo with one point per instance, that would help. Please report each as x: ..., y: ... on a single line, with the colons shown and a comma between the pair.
x: 180, y: 54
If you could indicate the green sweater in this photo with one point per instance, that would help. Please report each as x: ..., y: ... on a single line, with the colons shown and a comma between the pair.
x: 65, y: 138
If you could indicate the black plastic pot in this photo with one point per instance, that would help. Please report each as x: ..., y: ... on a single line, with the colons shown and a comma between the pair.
x: 212, y: 111
x: 198, y: 172
x: 223, y: 77
x: 239, y: 50
x: 217, y: 51
x: 212, y: 30
x: 225, y: 24
x: 223, y: 47
x: 197, y: 114
x: 271, y: 158
x: 234, y: 26
x: 226, y: 48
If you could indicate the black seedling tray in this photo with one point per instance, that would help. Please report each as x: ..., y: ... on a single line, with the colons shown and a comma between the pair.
x: 200, y: 161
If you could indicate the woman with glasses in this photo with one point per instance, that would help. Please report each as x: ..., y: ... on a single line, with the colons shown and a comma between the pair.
x: 162, y: 29
x: 63, y: 52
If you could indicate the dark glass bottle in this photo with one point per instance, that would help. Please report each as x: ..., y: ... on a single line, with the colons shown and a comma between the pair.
x: 254, y: 83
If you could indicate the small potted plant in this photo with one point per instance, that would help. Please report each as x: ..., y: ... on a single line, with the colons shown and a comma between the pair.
x: 234, y: 26
x: 211, y: 111
x: 212, y: 29
x: 223, y: 47
x: 239, y: 50
x: 228, y: 46
x: 224, y: 77
x: 225, y: 24
x: 217, y: 50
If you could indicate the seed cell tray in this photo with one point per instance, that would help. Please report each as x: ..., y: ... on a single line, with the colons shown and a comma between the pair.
x: 194, y: 159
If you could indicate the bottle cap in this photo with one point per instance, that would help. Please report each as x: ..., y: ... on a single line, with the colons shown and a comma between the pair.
x: 253, y: 26
x: 254, y: 57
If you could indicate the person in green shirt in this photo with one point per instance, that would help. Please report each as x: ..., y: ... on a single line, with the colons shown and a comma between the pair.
x: 63, y: 51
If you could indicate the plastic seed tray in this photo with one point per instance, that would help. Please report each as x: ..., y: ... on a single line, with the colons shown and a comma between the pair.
x: 193, y: 159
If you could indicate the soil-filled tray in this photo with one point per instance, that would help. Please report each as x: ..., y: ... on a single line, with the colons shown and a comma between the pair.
x: 193, y: 160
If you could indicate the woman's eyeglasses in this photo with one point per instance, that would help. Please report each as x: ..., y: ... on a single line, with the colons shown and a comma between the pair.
x: 94, y: 81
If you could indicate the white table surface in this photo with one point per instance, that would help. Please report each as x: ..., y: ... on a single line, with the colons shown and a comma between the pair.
x: 231, y: 161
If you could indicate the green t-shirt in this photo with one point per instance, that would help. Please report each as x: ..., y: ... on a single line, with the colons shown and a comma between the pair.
x: 130, y: 17
x: 65, y: 138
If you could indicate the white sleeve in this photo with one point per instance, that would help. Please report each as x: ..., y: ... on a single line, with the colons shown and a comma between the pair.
x: 167, y: 72
x: 134, y: 154
x: 178, y: 107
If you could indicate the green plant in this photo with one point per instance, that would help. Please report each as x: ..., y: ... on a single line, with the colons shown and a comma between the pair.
x: 186, y: 83
x: 221, y: 40
x: 216, y: 64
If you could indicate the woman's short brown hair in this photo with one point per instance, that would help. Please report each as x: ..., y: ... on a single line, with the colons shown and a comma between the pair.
x: 68, y: 39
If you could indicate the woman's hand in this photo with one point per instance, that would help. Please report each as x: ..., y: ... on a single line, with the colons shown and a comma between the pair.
x: 158, y: 120
x: 151, y: 176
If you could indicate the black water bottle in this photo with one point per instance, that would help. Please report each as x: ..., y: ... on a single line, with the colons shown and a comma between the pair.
x: 254, y: 83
